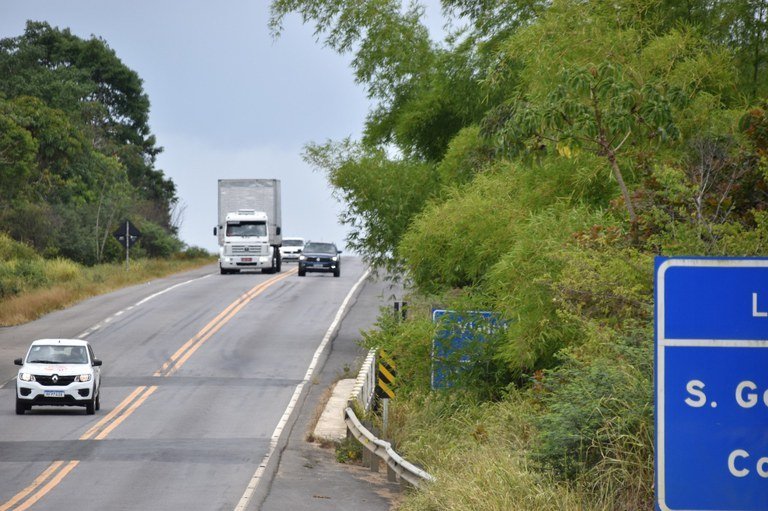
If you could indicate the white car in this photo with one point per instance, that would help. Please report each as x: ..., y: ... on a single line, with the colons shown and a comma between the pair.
x: 291, y: 249
x: 58, y: 372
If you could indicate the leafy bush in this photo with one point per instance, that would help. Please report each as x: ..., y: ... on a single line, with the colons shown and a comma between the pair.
x: 10, y: 284
x: 157, y: 242
x: 193, y: 253
x: 11, y: 249
x: 598, y: 411
x: 410, y: 343
x: 523, y: 283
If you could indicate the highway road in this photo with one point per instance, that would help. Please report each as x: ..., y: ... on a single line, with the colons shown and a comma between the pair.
x: 203, y: 374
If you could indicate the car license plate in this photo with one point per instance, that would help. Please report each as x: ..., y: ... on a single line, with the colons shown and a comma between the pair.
x: 316, y: 265
x: 53, y: 393
x: 247, y: 259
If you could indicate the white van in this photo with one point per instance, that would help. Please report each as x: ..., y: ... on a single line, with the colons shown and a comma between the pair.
x: 291, y: 249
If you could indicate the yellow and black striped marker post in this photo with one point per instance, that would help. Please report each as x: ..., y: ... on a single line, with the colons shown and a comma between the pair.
x: 385, y: 379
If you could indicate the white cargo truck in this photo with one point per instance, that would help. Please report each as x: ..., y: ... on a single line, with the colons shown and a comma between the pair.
x: 249, y: 227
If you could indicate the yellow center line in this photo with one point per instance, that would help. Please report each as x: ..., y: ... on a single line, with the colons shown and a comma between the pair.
x: 29, y: 489
x: 118, y: 409
x: 42, y: 491
x: 191, y: 346
x: 128, y: 412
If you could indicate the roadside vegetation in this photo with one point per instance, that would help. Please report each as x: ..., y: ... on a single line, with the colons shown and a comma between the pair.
x: 532, y: 164
x: 77, y: 159
x: 31, y: 286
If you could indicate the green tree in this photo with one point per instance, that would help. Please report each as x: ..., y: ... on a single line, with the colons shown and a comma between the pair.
x: 381, y: 195
x: 86, y: 80
x: 594, y: 86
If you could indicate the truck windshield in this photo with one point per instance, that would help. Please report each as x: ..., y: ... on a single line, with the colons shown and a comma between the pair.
x: 247, y: 229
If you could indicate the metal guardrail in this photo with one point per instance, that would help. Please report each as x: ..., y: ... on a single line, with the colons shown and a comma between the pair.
x: 383, y: 450
x: 365, y: 385
x: 363, y: 395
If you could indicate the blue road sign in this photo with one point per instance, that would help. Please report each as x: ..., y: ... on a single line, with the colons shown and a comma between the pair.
x: 458, y: 342
x: 711, y: 384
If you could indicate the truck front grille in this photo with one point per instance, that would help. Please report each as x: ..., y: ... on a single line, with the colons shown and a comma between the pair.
x: 246, y: 250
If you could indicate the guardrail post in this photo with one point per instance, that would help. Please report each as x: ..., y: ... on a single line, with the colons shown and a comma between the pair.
x: 374, y: 463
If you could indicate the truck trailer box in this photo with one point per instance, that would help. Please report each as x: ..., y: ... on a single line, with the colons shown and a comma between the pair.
x: 251, y: 194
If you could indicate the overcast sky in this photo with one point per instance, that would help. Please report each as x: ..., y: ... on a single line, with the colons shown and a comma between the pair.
x: 227, y: 101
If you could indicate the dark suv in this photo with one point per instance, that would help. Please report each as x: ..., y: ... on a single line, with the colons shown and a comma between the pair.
x: 320, y: 256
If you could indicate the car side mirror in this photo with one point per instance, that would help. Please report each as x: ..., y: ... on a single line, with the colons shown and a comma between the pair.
x: 299, y: 251
x: 338, y: 251
x: 278, y: 231
x: 96, y: 362
x: 215, y: 231
x: 18, y: 362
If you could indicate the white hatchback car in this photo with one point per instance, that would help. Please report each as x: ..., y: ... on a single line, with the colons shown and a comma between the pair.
x: 58, y: 372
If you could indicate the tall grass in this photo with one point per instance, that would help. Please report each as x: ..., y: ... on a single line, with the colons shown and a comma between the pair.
x: 31, y: 286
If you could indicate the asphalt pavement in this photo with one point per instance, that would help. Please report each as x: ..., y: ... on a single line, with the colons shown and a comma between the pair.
x: 308, y: 476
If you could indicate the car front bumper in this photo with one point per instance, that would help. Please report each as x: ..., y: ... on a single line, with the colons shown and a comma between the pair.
x: 74, y: 394
x: 318, y: 266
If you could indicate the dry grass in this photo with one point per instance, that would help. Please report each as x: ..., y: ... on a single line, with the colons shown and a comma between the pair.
x: 71, y: 284
x: 318, y: 411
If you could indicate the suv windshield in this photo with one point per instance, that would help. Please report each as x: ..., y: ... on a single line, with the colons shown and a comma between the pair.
x: 57, y: 354
x: 325, y: 248
x: 292, y: 243
x: 247, y: 229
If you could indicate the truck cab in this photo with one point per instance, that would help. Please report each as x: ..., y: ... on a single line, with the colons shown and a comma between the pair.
x: 246, y: 243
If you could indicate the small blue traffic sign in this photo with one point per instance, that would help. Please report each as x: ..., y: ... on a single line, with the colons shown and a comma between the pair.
x: 711, y: 384
x: 459, y: 341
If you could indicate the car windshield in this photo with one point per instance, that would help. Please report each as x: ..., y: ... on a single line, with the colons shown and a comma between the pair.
x: 247, y: 229
x: 292, y: 243
x: 57, y: 354
x: 323, y: 248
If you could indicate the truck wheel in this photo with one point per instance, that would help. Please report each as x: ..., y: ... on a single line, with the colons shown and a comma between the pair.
x: 223, y: 271
x: 279, y: 267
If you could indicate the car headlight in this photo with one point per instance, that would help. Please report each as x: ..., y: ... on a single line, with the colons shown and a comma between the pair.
x: 335, y: 258
x: 26, y: 377
x: 302, y: 258
x: 84, y: 378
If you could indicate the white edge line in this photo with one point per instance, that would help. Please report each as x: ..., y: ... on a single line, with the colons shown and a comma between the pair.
x: 256, y: 479
x: 89, y: 331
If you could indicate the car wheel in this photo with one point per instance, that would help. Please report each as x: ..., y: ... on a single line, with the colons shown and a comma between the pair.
x: 21, y: 407
x: 337, y: 272
x: 90, y: 406
x: 98, y: 401
x: 223, y: 271
x: 302, y: 272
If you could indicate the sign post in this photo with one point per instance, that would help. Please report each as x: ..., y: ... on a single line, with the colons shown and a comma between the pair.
x: 711, y: 338
x: 127, y: 234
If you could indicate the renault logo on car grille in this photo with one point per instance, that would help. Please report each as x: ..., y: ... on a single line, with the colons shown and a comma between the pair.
x: 55, y: 378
